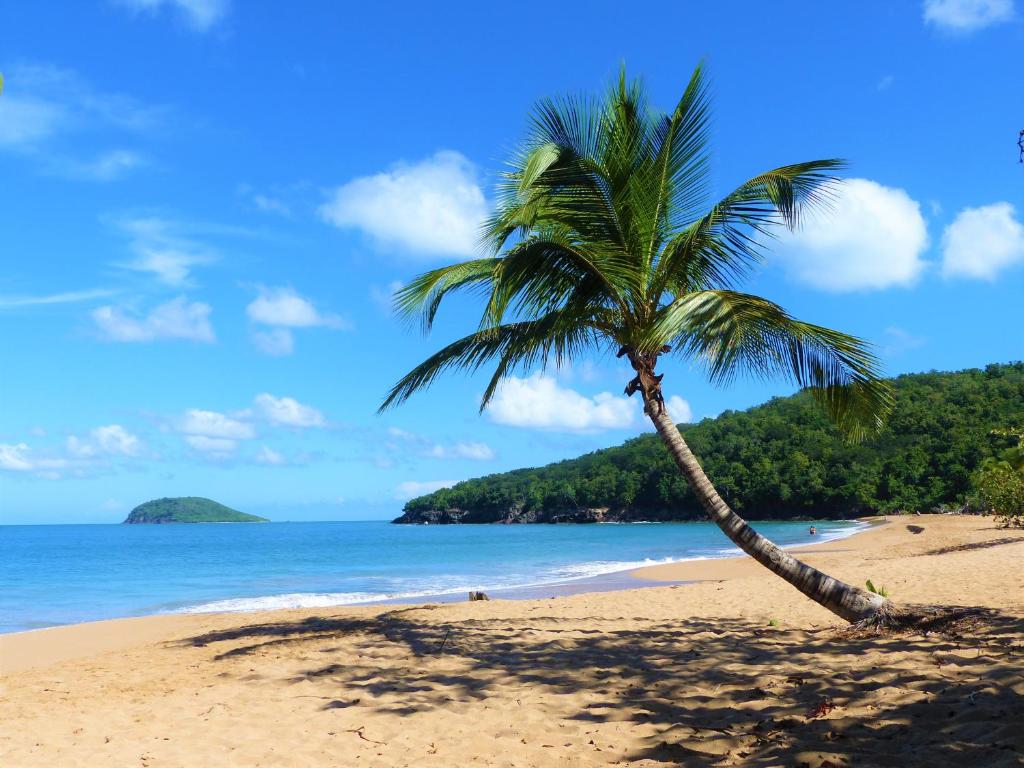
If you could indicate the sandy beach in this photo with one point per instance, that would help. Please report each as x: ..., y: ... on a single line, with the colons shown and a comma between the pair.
x: 738, y: 669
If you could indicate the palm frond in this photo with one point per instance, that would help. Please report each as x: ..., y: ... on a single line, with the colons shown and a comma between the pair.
x: 732, y: 333
x: 423, y: 295
x: 561, y: 335
x: 720, y: 247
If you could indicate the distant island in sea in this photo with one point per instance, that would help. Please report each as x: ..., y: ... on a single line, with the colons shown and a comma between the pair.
x: 188, y: 509
x: 782, y: 460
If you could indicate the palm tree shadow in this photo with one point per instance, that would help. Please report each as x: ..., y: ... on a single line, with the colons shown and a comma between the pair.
x: 698, y: 692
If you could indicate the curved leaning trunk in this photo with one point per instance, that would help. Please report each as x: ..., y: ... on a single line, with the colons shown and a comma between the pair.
x: 850, y: 603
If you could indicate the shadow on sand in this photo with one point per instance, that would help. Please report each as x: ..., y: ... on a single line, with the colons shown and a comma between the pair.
x: 694, y: 692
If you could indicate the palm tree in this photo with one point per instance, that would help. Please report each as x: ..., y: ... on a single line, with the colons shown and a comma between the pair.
x: 603, y: 239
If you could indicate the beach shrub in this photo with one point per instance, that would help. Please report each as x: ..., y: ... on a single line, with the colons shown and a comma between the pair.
x: 1000, y: 490
x: 877, y: 590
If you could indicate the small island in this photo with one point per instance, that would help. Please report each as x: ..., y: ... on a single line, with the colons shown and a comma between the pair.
x: 188, y: 509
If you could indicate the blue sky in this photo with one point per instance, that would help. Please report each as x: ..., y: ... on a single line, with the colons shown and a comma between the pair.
x: 206, y: 205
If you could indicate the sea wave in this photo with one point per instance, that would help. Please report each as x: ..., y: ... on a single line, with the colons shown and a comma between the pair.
x: 450, y: 585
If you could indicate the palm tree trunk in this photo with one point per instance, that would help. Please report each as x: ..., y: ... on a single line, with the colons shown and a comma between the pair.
x: 850, y: 603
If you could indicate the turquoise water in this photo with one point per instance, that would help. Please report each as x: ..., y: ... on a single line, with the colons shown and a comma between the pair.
x: 61, y: 574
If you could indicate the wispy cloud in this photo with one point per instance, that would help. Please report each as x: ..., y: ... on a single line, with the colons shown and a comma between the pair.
x: 69, y: 297
x: 200, y: 15
x: 43, y: 107
x: 472, y: 450
x: 163, y: 248
x: 899, y: 340
x: 965, y: 16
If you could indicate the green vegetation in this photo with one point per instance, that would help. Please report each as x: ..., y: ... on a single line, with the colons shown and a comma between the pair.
x: 876, y: 590
x: 188, y: 509
x: 999, y: 481
x: 783, y: 459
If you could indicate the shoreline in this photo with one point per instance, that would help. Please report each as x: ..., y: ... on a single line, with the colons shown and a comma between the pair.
x: 731, y: 670
x: 607, y: 581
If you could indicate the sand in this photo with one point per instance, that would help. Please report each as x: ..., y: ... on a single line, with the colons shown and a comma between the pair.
x: 738, y: 669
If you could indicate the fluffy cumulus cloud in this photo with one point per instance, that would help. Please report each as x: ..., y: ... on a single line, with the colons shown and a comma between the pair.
x: 412, y: 488
x: 285, y: 308
x: 965, y: 16
x: 176, y: 319
x: 201, y: 15
x: 111, y: 440
x: 429, y: 208
x: 872, y: 237
x: 679, y: 410
x: 282, y: 309
x: 288, y: 412
x: 981, y: 242
x: 213, y: 434
x: 540, y: 402
x: 213, y: 424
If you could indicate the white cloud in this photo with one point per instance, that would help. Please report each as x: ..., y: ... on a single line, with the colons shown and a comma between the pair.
x: 967, y: 15
x: 469, y: 450
x: 433, y: 207
x: 18, y: 458
x: 285, y: 308
x: 873, y: 237
x: 679, y: 410
x: 175, y: 319
x: 539, y: 402
x: 277, y: 342
x: 213, y: 447
x: 474, y: 451
x: 201, y: 15
x: 14, y: 302
x: 412, y: 488
x: 288, y: 412
x: 982, y: 241
x: 15, y: 457
x: 215, y: 425
x: 162, y: 251
x: 270, y: 457
x: 111, y: 440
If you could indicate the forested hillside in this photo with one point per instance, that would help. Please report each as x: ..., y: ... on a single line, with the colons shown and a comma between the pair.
x: 780, y: 460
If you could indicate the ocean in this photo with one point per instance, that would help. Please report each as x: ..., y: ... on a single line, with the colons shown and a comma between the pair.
x: 62, y: 574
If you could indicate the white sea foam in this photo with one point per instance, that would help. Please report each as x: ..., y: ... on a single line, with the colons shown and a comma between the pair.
x: 453, y: 586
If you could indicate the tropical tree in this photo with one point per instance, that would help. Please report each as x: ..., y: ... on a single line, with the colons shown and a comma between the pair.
x: 604, y: 238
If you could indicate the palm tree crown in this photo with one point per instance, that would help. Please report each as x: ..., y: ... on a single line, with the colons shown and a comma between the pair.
x: 605, y: 237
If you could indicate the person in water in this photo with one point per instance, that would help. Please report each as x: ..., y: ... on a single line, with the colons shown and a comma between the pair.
x: 812, y: 530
